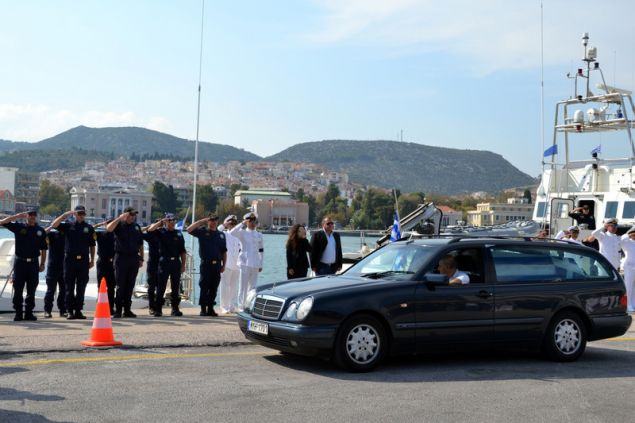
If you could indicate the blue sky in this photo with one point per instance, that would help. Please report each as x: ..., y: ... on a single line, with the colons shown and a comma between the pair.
x: 460, y: 74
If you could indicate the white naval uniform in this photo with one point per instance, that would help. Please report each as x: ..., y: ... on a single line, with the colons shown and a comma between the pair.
x: 628, y: 246
x: 229, y: 280
x: 609, y: 246
x: 250, y: 260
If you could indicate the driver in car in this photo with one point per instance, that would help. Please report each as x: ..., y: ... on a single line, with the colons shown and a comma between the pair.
x: 447, y: 266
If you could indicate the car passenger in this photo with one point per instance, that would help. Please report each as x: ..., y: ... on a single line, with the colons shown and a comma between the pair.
x: 447, y: 266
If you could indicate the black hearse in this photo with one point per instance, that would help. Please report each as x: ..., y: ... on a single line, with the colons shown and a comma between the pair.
x: 546, y: 294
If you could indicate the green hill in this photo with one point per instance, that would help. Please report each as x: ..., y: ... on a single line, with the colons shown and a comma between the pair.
x: 411, y: 167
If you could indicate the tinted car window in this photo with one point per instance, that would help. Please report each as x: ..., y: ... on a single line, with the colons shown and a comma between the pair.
x: 534, y: 264
x: 399, y: 257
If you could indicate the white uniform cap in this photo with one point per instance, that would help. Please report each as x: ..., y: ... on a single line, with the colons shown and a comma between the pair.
x: 573, y: 228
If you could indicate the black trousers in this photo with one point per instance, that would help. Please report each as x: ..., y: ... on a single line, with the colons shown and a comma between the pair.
x: 208, y: 282
x: 298, y: 272
x: 75, y: 279
x: 152, y: 278
x: 126, y: 269
x: 25, y: 274
x: 55, y: 282
x: 106, y: 269
x: 169, y: 269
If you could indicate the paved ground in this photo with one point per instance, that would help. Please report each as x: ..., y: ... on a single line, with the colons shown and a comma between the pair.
x: 59, y: 334
x: 246, y: 383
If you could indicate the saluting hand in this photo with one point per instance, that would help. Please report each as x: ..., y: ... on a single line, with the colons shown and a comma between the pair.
x: 41, y: 269
x: 22, y: 216
x: 91, y: 264
x: 183, y: 268
x: 222, y: 268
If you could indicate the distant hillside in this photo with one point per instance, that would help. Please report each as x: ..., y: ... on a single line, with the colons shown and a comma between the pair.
x: 72, y: 159
x: 126, y: 141
x: 411, y: 167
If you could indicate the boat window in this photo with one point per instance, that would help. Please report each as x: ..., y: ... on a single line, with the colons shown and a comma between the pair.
x: 540, y: 209
x: 396, y: 260
x: 527, y: 264
x: 629, y: 210
x: 610, y: 209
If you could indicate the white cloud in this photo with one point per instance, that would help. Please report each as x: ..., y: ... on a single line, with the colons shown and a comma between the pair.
x: 34, y: 122
x: 489, y: 34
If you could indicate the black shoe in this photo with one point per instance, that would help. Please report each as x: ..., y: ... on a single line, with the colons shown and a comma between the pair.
x: 151, y: 311
x: 79, y: 315
x: 203, y: 311
x: 70, y: 316
x: 47, y: 315
x: 18, y: 317
x: 30, y: 316
x: 211, y: 312
x: 129, y: 313
x: 176, y: 312
x: 63, y: 314
x: 158, y: 313
x: 116, y: 314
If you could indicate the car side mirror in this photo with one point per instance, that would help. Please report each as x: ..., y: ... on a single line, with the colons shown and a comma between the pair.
x: 435, y: 279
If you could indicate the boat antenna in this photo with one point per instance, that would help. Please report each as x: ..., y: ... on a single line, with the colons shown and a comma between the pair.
x: 198, y: 125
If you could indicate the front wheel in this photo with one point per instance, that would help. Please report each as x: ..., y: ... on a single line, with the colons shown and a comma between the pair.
x: 566, y: 337
x: 361, y: 344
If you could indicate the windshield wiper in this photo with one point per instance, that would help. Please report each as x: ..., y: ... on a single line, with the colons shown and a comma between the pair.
x: 377, y: 275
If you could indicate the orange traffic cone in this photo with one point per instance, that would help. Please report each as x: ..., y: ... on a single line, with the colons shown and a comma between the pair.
x: 101, y: 334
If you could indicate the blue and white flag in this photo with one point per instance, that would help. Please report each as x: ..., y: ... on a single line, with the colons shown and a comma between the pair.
x: 551, y: 151
x: 597, y: 150
x: 181, y: 223
x: 395, y: 234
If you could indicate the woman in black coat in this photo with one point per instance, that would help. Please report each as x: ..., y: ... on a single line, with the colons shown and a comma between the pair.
x: 297, y: 248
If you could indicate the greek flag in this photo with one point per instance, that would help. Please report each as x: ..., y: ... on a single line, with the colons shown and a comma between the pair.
x: 597, y: 150
x: 551, y: 151
x: 181, y: 223
x: 395, y: 234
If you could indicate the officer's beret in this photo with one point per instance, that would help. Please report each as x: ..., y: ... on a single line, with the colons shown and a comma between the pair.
x: 212, y: 216
x: 130, y: 210
x: 80, y: 208
x: 611, y: 221
x: 249, y: 216
x: 169, y: 216
x: 31, y: 211
x: 230, y: 218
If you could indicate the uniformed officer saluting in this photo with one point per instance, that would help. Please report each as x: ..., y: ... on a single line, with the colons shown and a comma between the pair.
x: 152, y: 268
x: 171, y: 262
x: 30, y: 242
x: 80, y: 242
x: 55, y: 272
x: 213, y: 252
x: 128, y: 258
x: 105, y: 259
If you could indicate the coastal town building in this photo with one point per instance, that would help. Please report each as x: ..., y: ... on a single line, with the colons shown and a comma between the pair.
x: 27, y: 188
x: 274, y: 213
x: 7, y: 178
x: 7, y: 202
x: 249, y: 196
x: 450, y: 217
x: 499, y: 213
x: 108, y: 204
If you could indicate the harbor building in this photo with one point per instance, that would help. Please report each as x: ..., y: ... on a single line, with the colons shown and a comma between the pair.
x: 487, y: 214
x: 450, y: 217
x: 249, y: 196
x: 108, y: 204
x: 275, y: 213
x: 27, y: 188
x: 7, y: 202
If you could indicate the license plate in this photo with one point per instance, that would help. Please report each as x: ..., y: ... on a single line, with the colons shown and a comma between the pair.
x: 257, y: 327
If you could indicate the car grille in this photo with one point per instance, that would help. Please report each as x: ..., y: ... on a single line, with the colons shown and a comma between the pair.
x: 267, y: 339
x: 267, y: 307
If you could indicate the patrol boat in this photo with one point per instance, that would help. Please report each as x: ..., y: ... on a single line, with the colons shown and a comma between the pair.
x: 605, y: 185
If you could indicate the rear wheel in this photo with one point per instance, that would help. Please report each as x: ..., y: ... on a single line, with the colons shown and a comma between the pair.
x: 361, y: 344
x: 566, y: 337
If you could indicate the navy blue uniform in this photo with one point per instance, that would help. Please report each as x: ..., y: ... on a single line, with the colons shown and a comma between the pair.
x: 80, y: 236
x: 211, y: 248
x: 172, y: 245
x: 105, y: 265
x: 128, y: 241
x: 152, y: 268
x: 55, y: 271
x: 29, y: 241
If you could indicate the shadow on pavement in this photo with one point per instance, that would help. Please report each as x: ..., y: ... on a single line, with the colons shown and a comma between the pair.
x: 20, y: 416
x: 596, y: 363
x: 10, y: 394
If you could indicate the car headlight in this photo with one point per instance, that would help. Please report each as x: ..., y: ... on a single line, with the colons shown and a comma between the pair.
x: 304, y: 308
x: 250, y: 298
x: 290, y: 314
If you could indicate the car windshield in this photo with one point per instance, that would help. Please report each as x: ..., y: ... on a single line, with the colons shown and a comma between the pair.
x: 398, y: 260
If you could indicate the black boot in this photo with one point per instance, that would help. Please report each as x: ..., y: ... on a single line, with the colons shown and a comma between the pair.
x: 176, y: 312
x: 30, y: 316
x: 158, y: 311
x: 203, y: 311
x: 117, y: 314
x: 79, y: 315
x: 211, y: 312
x: 47, y: 314
x: 71, y: 315
x: 18, y: 316
x: 63, y: 313
x: 129, y: 313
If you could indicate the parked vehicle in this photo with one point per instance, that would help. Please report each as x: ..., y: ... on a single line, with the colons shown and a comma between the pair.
x: 545, y: 294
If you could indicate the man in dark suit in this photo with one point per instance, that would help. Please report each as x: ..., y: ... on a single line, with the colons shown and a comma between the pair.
x: 326, y: 249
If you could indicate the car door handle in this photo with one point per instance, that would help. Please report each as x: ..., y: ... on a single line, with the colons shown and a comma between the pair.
x: 484, y: 294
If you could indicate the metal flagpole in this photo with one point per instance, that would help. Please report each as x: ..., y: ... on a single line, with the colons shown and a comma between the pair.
x: 198, y: 124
